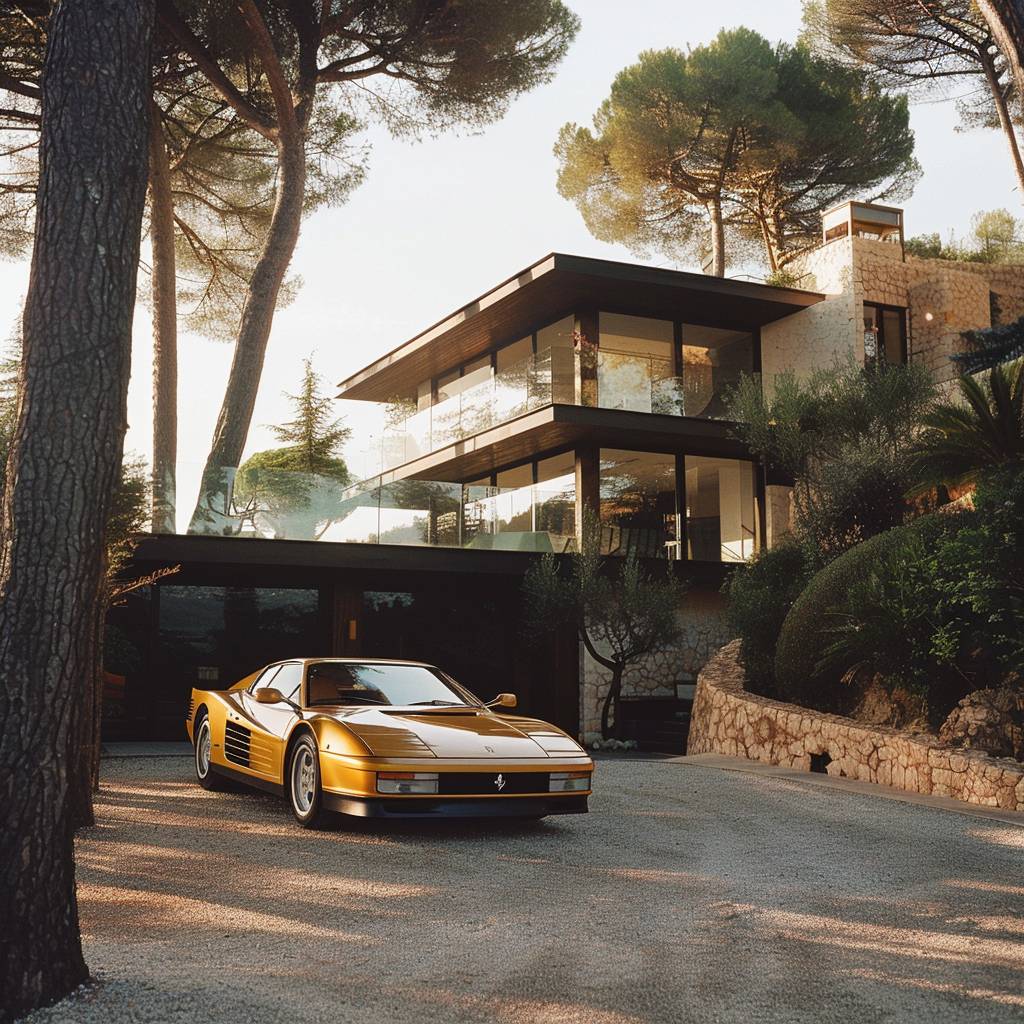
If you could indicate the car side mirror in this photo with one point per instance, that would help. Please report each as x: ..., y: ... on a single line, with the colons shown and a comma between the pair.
x: 503, y: 700
x: 268, y: 695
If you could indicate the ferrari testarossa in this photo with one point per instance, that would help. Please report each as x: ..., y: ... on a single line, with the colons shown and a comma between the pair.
x: 379, y: 738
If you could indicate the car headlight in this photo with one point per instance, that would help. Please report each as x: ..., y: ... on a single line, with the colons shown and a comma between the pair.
x: 406, y: 782
x: 567, y: 782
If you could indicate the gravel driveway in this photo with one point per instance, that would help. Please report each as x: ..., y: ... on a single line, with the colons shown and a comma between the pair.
x: 688, y: 894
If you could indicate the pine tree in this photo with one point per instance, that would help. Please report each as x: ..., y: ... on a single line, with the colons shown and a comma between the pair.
x: 296, y: 490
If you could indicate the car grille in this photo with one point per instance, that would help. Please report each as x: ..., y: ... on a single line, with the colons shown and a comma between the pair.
x: 487, y: 783
x: 236, y: 744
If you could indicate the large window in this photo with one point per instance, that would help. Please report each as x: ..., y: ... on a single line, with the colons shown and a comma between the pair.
x: 555, y: 364
x: 712, y: 362
x: 721, y: 512
x: 219, y: 634
x: 639, y: 511
x: 528, y: 507
x: 638, y: 503
x: 658, y: 366
x: 634, y: 360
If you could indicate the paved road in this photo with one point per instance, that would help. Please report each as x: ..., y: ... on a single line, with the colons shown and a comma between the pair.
x: 689, y: 894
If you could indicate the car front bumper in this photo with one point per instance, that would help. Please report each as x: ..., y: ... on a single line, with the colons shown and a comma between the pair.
x: 485, y: 807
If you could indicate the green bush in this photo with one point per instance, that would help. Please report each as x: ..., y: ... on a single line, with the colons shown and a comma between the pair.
x: 978, y: 576
x: 807, y: 631
x: 760, y: 593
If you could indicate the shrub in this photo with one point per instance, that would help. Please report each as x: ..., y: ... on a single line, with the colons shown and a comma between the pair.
x: 843, y: 436
x: 805, y: 633
x: 760, y: 594
x: 933, y: 608
x: 978, y: 573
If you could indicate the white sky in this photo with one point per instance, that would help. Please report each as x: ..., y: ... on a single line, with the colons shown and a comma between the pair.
x: 438, y: 222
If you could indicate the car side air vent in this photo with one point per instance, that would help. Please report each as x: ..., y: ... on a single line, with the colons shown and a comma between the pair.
x: 236, y: 743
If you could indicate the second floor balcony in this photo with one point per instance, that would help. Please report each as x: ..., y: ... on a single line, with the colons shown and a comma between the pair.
x: 657, y: 367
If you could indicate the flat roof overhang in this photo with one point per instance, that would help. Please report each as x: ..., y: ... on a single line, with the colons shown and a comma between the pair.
x: 558, y: 427
x: 555, y: 286
x: 255, y: 562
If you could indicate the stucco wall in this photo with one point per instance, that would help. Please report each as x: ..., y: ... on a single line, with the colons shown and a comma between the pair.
x: 728, y: 720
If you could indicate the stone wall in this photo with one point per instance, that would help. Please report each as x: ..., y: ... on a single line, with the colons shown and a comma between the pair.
x: 943, y: 298
x: 704, y: 631
x: 816, y: 337
x: 728, y: 720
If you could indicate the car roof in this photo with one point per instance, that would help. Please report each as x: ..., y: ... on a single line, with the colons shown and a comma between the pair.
x: 354, y: 661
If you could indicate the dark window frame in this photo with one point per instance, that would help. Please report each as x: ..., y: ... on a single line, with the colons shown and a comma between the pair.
x: 492, y: 352
x: 678, y: 321
x: 884, y: 307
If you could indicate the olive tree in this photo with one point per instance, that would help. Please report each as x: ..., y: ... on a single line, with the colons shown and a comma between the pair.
x: 621, y: 612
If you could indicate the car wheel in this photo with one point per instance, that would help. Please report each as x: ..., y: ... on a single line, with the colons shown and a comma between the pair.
x: 205, y: 774
x: 303, y: 782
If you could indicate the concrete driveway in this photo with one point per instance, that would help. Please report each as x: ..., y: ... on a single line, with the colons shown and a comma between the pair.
x: 688, y: 894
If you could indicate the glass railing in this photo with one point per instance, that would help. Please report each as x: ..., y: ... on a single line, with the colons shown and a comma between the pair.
x: 638, y: 383
x: 278, y: 504
x: 607, y: 379
x: 542, y: 379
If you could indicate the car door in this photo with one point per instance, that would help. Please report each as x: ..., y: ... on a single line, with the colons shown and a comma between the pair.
x: 269, y: 723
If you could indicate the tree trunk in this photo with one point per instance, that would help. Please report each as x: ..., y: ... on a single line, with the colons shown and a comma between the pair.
x: 80, y: 753
x: 1005, y: 120
x: 165, y: 329
x: 1005, y: 20
x: 63, y: 466
x: 611, y: 719
x: 717, y: 238
x: 772, y: 248
x: 213, y: 509
x: 86, y: 781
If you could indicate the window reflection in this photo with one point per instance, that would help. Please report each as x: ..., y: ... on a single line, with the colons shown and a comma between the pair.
x: 634, y: 359
x: 638, y: 503
x: 887, y: 324
x: 721, y: 519
x: 712, y: 361
x: 230, y: 631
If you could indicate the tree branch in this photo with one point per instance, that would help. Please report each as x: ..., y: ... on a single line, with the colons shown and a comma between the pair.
x: 193, y: 46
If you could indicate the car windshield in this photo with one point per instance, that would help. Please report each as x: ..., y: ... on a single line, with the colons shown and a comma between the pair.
x: 336, y: 682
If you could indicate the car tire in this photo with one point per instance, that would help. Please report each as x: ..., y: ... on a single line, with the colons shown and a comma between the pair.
x: 302, y: 783
x: 205, y: 774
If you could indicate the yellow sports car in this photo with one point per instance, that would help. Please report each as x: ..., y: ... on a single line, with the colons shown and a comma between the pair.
x: 383, y: 738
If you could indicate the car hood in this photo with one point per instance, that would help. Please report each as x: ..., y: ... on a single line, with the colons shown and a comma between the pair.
x: 441, y: 732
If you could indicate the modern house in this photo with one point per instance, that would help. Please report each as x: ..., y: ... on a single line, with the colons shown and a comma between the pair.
x: 579, y: 393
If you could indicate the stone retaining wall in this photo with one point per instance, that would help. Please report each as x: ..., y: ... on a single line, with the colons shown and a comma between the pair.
x: 728, y: 720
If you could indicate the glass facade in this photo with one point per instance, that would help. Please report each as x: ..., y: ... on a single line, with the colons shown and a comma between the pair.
x: 640, y: 513
x: 652, y: 504
x: 530, y: 507
x: 721, y: 510
x: 639, y: 364
x: 635, y: 363
x: 712, y: 362
x: 638, y: 510
x: 213, y: 636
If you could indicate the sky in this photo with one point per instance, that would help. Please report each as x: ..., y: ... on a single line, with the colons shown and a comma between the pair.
x: 438, y: 222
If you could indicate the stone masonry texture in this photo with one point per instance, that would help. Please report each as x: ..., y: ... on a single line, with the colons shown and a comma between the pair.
x: 728, y: 720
